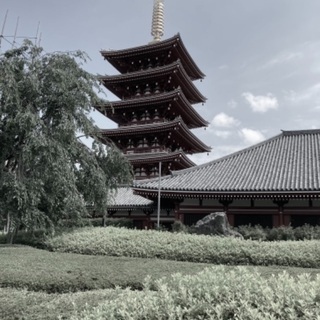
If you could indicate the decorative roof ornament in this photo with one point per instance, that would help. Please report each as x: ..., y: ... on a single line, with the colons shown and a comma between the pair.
x: 157, y: 29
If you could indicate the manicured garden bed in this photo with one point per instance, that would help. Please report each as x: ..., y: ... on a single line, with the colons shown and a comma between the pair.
x: 187, y: 247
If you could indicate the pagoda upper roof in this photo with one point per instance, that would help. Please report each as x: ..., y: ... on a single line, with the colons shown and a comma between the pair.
x: 118, y: 84
x: 183, y: 107
x: 156, y: 157
x: 285, y: 166
x: 121, y: 58
x: 177, y: 128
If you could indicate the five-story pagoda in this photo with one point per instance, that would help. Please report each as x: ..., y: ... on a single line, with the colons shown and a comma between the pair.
x: 155, y: 112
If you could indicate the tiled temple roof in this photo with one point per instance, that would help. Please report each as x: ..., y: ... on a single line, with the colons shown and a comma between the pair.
x: 124, y: 198
x: 288, y: 163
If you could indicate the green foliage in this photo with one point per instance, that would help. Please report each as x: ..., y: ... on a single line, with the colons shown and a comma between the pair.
x: 178, y: 226
x: 119, y: 223
x: 252, y: 232
x: 187, y: 247
x: 27, y: 305
x: 281, y: 233
x: 57, y: 277
x: 53, y: 272
x: 46, y: 173
x: 306, y: 232
x: 34, y: 238
x: 216, y: 293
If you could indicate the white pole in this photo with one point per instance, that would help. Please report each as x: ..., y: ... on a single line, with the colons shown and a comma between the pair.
x: 159, y: 188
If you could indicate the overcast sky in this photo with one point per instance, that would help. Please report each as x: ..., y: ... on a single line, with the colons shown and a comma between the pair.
x: 261, y: 57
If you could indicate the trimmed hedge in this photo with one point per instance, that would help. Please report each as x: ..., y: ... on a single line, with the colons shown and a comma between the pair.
x: 305, y: 232
x: 216, y: 293
x: 187, y: 247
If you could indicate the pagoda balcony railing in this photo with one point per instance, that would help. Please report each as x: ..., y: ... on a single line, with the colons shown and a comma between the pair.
x: 140, y: 122
x: 147, y: 150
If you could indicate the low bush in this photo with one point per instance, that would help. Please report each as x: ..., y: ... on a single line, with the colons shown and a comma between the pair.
x: 35, y: 238
x: 216, y: 293
x: 178, y: 226
x: 283, y: 233
x: 187, y: 247
x: 252, y: 232
x: 27, y: 305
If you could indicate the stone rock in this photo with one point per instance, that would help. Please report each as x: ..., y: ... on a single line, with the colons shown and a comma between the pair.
x: 215, y: 223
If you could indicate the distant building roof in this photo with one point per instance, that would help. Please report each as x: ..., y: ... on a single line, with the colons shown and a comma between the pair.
x: 287, y: 164
x: 124, y: 198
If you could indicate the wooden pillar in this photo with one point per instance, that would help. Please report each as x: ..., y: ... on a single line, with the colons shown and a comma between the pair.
x: 177, y: 211
x: 286, y: 220
x: 275, y: 220
x: 231, y: 219
x: 280, y: 204
x: 225, y: 204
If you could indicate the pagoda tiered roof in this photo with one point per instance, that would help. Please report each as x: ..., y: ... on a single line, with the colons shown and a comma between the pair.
x: 124, y: 85
x: 179, y: 157
x: 180, y: 105
x: 172, y: 47
x: 176, y: 129
x: 285, y: 166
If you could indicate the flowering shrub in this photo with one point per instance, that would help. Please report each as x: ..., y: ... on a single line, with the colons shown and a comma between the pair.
x: 216, y: 293
x: 187, y: 247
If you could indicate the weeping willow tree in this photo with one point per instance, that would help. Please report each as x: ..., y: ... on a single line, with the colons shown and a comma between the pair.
x: 46, y: 173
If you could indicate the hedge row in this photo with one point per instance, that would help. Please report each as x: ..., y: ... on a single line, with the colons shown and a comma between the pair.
x: 305, y: 232
x: 257, y: 232
x: 216, y: 293
x: 187, y: 247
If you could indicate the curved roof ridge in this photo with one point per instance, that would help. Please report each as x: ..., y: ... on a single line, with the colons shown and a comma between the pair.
x: 153, y: 46
x: 296, y: 132
x: 137, y: 48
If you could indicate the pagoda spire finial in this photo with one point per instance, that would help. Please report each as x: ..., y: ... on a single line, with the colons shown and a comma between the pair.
x: 157, y: 29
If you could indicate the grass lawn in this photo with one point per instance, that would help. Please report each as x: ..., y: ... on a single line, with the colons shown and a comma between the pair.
x: 25, y: 271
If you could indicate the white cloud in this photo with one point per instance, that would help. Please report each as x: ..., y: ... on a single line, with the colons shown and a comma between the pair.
x: 223, y: 67
x: 232, y: 104
x: 317, y: 108
x: 261, y: 103
x: 251, y: 136
x: 311, y: 93
x: 222, y: 133
x: 222, y: 120
x: 282, y: 58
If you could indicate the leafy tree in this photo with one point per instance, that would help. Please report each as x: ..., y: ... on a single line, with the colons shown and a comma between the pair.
x: 46, y: 173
